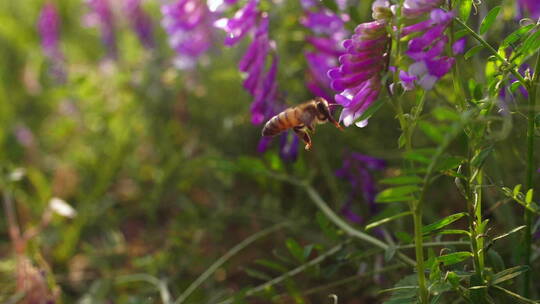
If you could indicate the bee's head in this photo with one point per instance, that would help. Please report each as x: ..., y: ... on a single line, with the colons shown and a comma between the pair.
x: 324, y: 108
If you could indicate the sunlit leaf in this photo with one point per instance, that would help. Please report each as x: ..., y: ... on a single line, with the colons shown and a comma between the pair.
x: 516, y: 35
x: 442, y: 223
x: 464, y: 8
x: 489, y: 19
x: 396, y: 194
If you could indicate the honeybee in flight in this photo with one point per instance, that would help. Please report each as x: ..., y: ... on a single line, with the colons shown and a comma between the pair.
x: 301, y: 119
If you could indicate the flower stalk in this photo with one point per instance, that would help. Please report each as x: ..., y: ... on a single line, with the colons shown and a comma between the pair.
x: 530, y: 170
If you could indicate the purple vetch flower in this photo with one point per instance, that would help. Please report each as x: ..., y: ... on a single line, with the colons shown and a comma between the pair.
x: 529, y: 8
x: 101, y: 16
x: 459, y: 46
x: 49, y: 29
x: 427, y: 50
x: 288, y: 146
x: 329, y: 29
x: 240, y: 24
x: 189, y: 25
x: 357, y: 169
x: 505, y: 94
x: 24, y: 136
x: 358, y: 77
x: 416, y: 8
x: 140, y: 22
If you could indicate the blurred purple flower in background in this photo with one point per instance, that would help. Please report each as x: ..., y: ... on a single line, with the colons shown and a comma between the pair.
x: 427, y: 49
x: 328, y: 31
x: 357, y: 169
x: 101, y: 16
x: 240, y: 24
x: 49, y: 29
x: 530, y: 8
x: 288, y: 147
x: 140, y: 22
x: 189, y: 25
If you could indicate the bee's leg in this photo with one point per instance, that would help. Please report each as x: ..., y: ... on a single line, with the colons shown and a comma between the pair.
x: 311, y: 128
x: 302, y: 134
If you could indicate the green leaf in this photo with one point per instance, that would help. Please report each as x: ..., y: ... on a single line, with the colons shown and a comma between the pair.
x: 445, y: 114
x: 529, y: 196
x: 514, y: 86
x: 490, y: 18
x: 454, y: 258
x: 421, y: 156
x: 327, y: 228
x: 442, y: 223
x: 473, y: 51
x: 257, y: 274
x: 508, y: 274
x: 449, y: 163
x: 271, y: 264
x: 387, y: 219
x: 530, y: 44
x: 402, y: 180
x: 516, y: 190
x: 295, y: 249
x: 389, y: 253
x: 431, y: 131
x: 516, y: 36
x: 397, y: 194
x: 479, y: 159
x: 455, y: 231
x: 404, y: 237
x: 307, y: 251
x: 371, y: 110
x: 464, y: 8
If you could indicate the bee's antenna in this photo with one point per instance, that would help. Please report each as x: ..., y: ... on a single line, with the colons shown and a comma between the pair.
x: 334, y: 105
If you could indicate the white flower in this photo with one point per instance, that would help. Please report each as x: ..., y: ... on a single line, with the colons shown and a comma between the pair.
x: 62, y: 208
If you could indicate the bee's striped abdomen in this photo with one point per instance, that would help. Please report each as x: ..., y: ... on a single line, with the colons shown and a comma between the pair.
x: 281, y: 122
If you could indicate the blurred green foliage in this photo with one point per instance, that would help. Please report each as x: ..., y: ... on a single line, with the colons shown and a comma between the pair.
x: 161, y: 166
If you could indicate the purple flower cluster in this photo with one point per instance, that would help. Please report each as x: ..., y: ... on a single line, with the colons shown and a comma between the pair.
x: 426, y: 49
x: 357, y: 169
x: 140, y: 22
x: 530, y: 8
x: 328, y: 31
x: 189, y: 25
x: 49, y: 29
x: 260, y: 81
x: 101, y: 16
x: 358, y: 77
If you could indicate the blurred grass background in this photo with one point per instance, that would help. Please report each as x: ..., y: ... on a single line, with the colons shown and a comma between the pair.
x: 161, y: 166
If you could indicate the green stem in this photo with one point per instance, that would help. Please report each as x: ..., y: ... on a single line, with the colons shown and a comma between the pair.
x: 289, y: 274
x: 224, y: 259
x: 478, y: 38
x: 530, y: 170
x: 333, y: 217
x: 419, y: 250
